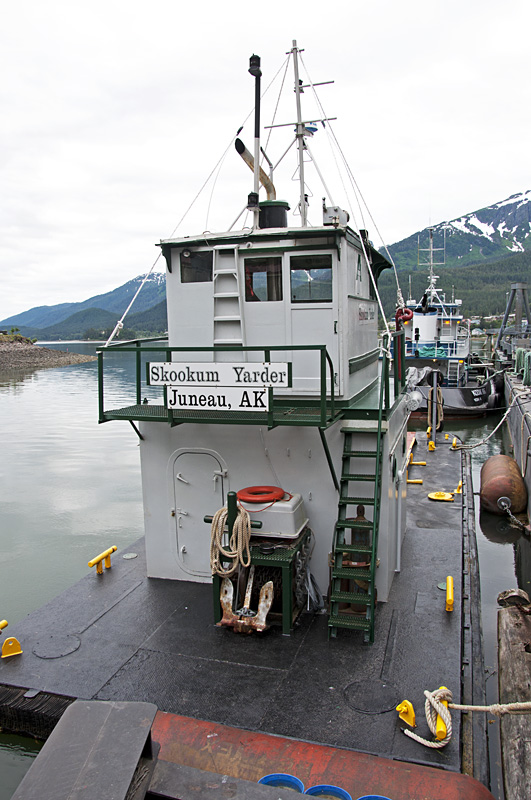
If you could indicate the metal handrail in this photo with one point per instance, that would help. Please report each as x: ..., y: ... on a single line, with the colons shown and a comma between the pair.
x: 138, y: 347
x: 327, y: 401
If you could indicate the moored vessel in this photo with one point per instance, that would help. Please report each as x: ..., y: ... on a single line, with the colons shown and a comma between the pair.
x: 270, y: 388
x: 440, y: 363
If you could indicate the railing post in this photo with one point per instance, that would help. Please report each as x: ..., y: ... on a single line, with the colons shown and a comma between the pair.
x: 138, y: 374
x: 385, y: 370
x: 323, y: 384
x: 403, y: 351
x: 100, y: 386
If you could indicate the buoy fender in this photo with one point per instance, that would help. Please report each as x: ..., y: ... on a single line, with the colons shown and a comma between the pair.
x: 501, y: 477
x: 260, y: 494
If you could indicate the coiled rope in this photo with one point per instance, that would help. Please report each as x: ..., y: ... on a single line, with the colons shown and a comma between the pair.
x: 434, y: 706
x: 440, y: 411
x: 238, y: 548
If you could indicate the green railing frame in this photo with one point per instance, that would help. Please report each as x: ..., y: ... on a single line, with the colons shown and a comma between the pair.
x: 138, y: 347
x: 327, y: 402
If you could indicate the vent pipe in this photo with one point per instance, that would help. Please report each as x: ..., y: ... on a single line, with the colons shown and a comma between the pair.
x: 250, y: 161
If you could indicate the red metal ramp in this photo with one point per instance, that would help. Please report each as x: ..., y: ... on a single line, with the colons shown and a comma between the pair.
x: 249, y: 755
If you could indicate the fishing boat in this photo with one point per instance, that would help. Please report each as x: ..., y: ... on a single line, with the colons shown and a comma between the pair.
x: 442, y: 370
x: 276, y: 613
x: 270, y: 377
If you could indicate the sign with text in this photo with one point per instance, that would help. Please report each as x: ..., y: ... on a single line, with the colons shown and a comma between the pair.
x: 231, y: 398
x: 175, y: 374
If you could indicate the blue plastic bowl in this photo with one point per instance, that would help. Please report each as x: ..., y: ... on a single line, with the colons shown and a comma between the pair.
x: 283, y: 780
x: 327, y: 791
x: 373, y: 797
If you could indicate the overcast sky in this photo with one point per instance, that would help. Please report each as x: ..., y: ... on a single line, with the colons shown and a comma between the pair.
x: 113, y: 114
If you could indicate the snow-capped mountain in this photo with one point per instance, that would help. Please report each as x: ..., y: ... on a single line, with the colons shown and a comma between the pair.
x: 115, y: 301
x: 488, y: 234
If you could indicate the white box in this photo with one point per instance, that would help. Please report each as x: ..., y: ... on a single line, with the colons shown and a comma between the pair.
x: 284, y: 518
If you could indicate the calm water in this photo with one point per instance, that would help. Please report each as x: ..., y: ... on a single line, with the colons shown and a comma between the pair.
x: 70, y: 488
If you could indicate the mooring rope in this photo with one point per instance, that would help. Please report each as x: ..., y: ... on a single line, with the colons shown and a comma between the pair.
x: 239, y: 542
x: 434, y: 706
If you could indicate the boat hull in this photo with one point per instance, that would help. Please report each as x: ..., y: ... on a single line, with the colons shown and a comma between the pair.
x: 465, y: 402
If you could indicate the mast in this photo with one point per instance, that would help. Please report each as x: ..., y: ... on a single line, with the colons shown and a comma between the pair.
x: 256, y: 72
x: 432, y: 288
x: 299, y: 134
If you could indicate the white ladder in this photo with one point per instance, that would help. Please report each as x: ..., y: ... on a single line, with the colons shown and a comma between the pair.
x: 228, y: 316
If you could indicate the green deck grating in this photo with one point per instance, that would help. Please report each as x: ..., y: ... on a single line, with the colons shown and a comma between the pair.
x: 158, y: 413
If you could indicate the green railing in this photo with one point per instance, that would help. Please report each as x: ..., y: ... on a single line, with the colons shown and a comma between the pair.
x: 320, y: 410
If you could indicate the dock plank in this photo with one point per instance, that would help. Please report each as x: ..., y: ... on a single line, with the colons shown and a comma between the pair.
x: 514, y: 679
x: 93, y: 752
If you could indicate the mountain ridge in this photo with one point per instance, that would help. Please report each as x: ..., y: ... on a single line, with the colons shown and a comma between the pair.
x: 487, y: 234
x: 115, y: 301
x: 498, y: 234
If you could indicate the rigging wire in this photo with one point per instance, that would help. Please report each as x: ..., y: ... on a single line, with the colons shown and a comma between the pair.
x: 357, y: 191
x: 217, y: 168
x: 357, y: 194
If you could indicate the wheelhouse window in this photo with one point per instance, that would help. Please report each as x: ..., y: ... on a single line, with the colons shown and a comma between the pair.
x: 311, y: 279
x: 263, y: 279
x: 196, y: 267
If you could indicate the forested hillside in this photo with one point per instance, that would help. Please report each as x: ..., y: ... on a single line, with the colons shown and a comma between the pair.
x: 482, y: 287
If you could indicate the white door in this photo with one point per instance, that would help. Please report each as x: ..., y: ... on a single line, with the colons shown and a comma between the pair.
x: 198, y: 491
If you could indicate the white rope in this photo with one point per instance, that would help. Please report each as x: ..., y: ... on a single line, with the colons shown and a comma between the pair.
x: 486, y: 439
x: 238, y: 549
x: 434, y: 707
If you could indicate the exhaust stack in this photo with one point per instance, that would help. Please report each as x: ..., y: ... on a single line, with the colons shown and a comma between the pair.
x: 249, y: 160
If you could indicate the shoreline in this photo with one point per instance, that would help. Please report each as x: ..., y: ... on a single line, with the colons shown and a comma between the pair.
x: 21, y: 355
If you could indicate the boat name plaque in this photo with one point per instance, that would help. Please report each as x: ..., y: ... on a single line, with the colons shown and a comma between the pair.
x: 261, y: 375
x: 228, y: 398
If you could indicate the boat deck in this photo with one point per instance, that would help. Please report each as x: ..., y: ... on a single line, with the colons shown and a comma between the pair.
x: 122, y: 636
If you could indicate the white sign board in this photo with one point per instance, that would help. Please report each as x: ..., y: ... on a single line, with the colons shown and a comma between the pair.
x: 231, y: 398
x: 249, y: 375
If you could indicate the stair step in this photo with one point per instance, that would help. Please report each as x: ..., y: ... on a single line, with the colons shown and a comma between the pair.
x: 222, y: 295
x: 352, y: 476
x: 360, y: 453
x: 228, y: 341
x: 354, y: 548
x: 352, y: 573
x: 228, y: 318
x: 347, y: 621
x: 350, y: 597
x: 363, y: 426
x: 228, y: 271
x: 353, y: 525
x: 356, y: 501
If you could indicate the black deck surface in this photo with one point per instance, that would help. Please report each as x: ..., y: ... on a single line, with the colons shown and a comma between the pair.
x: 121, y: 636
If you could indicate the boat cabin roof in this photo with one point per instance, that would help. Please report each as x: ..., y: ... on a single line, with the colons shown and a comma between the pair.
x: 325, y: 236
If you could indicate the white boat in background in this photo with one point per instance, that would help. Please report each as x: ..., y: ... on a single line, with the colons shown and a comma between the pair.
x: 438, y: 355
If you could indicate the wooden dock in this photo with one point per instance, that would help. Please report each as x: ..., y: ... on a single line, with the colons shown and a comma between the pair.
x: 514, y: 682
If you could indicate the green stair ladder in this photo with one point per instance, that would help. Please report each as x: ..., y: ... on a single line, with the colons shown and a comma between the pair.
x: 355, y: 562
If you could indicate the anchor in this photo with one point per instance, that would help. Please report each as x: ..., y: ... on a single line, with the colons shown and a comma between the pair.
x: 245, y: 620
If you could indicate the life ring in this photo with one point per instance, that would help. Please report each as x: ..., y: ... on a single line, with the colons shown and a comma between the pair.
x: 260, y: 494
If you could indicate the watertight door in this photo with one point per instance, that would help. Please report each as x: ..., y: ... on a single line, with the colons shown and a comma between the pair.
x: 198, y: 491
x: 313, y: 294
